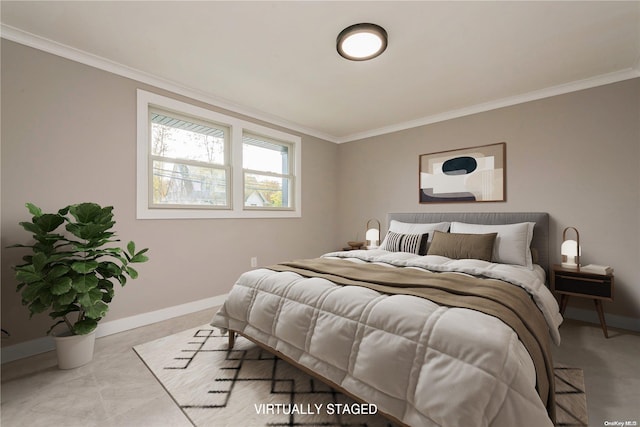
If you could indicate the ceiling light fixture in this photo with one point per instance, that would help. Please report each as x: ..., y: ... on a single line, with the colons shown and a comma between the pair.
x: 361, y: 42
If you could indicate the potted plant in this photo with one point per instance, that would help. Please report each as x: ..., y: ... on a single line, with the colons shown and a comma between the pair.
x: 72, y: 274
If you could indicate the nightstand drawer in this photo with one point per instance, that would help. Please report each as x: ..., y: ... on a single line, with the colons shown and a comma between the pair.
x: 594, y: 286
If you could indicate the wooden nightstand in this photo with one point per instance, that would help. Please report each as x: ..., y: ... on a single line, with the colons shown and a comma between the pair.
x: 570, y: 282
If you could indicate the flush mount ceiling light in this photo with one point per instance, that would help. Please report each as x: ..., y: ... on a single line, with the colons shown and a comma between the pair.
x: 361, y: 42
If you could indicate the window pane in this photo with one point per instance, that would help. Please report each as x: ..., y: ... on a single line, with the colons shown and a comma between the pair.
x: 264, y: 156
x: 266, y: 191
x: 181, y: 184
x: 182, y: 139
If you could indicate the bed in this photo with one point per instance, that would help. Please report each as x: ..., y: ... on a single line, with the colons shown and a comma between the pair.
x: 460, y: 336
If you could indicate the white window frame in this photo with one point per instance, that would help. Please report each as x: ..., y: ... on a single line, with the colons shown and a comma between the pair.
x: 291, y: 177
x: 144, y: 210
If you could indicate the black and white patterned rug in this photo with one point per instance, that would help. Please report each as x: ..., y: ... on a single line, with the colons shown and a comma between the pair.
x: 249, y: 386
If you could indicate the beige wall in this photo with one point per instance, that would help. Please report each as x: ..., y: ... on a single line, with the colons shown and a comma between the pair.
x: 69, y: 135
x: 576, y: 156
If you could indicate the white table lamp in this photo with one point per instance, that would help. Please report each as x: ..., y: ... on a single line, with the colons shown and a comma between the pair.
x: 570, y: 250
x: 373, y: 234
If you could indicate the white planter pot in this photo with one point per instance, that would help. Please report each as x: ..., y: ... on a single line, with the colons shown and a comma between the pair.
x: 74, y: 350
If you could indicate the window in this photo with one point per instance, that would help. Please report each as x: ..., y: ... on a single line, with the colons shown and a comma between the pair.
x: 267, y: 178
x: 189, y: 162
x: 197, y: 163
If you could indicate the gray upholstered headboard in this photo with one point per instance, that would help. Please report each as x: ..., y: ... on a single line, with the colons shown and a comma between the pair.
x: 540, y: 239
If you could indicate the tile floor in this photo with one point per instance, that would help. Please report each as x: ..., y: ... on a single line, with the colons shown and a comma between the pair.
x: 611, y: 370
x: 116, y: 389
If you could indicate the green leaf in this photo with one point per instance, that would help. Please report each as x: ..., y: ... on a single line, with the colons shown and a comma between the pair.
x: 34, y: 210
x: 45, y: 297
x: 63, y: 211
x: 84, y: 327
x: 105, y: 284
x: 18, y: 245
x: 84, y: 282
x: 97, y: 310
x: 39, y: 260
x: 37, y: 307
x: 106, y: 288
x: 61, y: 285
x: 105, y: 216
x: 109, y: 269
x: 107, y: 297
x: 30, y: 293
x: 57, y: 271
x: 67, y: 298
x: 27, y: 275
x: 95, y: 295
x: 89, y: 231
x: 140, y: 257
x: 63, y: 312
x: 30, y: 227
x: 84, y: 300
x: 131, y: 247
x: 85, y: 212
x: 48, y: 222
x: 132, y: 272
x: 89, y: 299
x: 84, y: 267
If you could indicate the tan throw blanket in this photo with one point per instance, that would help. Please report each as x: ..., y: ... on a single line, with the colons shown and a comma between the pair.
x: 507, y: 302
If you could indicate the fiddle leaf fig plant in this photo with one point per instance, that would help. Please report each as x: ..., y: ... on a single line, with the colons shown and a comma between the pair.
x: 72, y: 267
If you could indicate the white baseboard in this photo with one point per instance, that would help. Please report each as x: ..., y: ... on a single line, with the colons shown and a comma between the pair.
x: 44, y: 344
x: 27, y: 348
x: 613, y: 320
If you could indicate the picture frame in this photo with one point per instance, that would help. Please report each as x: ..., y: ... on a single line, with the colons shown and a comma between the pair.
x: 466, y: 175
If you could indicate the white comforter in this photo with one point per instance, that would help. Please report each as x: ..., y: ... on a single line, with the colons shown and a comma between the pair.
x: 424, y: 364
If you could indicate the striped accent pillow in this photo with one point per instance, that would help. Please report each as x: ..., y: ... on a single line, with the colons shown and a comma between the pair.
x: 412, y: 243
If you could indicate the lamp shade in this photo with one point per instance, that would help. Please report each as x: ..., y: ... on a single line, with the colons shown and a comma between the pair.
x: 569, y: 248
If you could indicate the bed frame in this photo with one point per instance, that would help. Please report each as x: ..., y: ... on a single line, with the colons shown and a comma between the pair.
x: 540, y: 241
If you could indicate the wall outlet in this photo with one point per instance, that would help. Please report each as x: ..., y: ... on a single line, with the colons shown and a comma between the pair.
x: 254, y: 261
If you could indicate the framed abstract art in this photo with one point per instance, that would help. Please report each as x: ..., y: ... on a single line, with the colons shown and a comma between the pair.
x: 475, y: 174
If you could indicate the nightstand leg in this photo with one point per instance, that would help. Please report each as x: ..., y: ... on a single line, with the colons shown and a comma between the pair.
x: 564, y: 299
x: 601, y: 316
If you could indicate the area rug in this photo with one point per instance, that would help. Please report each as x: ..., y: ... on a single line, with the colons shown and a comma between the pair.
x: 249, y: 386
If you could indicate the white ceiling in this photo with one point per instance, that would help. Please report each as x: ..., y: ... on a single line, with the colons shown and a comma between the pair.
x: 277, y: 60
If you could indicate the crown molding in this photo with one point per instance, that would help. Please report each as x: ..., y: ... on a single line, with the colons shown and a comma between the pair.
x: 50, y: 46
x: 601, y: 80
x: 68, y: 52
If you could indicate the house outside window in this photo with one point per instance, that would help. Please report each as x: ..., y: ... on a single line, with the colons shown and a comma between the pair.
x: 198, y: 163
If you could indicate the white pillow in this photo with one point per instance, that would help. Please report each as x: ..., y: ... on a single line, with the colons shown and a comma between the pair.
x: 412, y: 228
x: 513, y: 243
